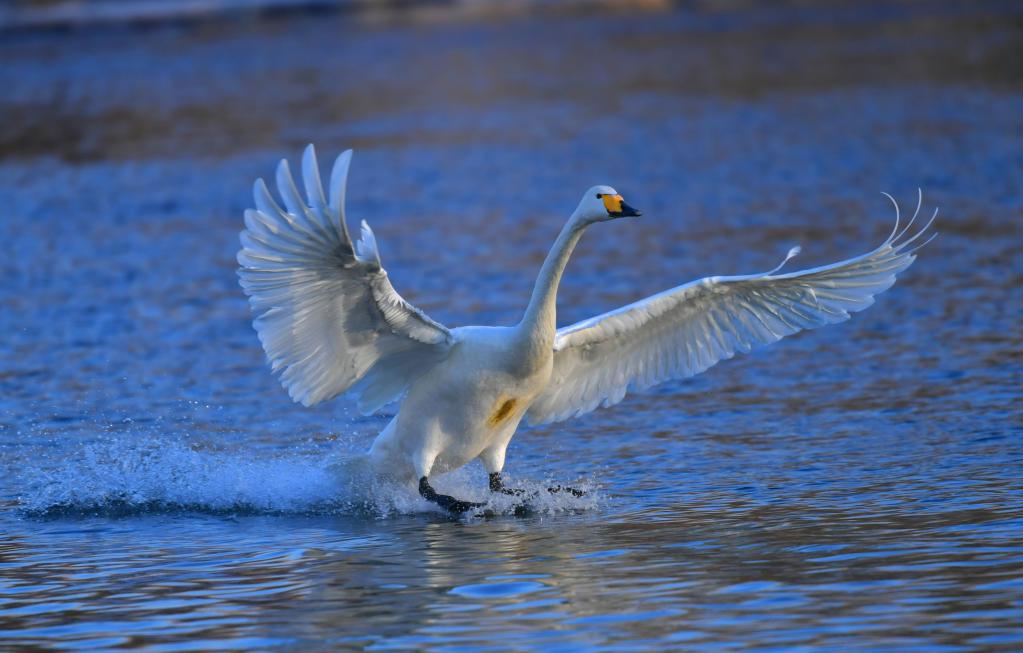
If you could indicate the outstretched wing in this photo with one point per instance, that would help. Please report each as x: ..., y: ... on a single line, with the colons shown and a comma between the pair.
x: 683, y: 331
x: 326, y: 312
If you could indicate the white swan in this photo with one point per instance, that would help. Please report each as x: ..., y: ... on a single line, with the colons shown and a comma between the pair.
x: 330, y: 321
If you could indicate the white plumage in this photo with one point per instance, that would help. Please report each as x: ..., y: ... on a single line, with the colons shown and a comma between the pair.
x: 327, y: 314
x: 683, y: 331
x: 330, y: 321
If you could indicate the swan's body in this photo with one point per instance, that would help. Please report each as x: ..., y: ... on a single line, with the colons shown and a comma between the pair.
x: 467, y: 407
x: 330, y: 321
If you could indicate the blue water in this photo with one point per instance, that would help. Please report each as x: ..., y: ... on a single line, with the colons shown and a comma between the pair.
x: 852, y: 488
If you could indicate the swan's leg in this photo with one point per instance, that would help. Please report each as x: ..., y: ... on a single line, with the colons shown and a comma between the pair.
x: 493, y: 461
x: 423, y: 463
x: 449, y: 503
x: 497, y: 485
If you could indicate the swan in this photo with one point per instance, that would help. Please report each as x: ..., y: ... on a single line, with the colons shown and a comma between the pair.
x: 330, y: 321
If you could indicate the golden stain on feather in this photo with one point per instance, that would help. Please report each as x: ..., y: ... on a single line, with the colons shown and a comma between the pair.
x: 504, y: 409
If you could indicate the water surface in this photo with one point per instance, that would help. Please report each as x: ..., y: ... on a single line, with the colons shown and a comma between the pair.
x: 852, y: 488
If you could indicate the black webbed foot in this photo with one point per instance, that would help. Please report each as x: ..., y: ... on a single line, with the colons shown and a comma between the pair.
x: 449, y: 503
x: 564, y: 488
x: 497, y: 485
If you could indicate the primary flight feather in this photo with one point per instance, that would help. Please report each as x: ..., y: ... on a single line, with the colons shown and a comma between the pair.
x: 330, y: 321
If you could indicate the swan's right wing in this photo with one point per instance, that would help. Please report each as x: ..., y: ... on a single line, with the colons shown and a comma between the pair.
x: 683, y: 331
x: 326, y: 312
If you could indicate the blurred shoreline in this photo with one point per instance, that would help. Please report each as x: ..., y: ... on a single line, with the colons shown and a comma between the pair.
x: 43, y: 16
x: 62, y: 15
x: 56, y: 15
x: 183, y: 87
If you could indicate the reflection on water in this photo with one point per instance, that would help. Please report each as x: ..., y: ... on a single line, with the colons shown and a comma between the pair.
x: 849, y: 488
x: 770, y: 577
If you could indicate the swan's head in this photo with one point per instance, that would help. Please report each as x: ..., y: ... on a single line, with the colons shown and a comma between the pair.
x: 602, y: 203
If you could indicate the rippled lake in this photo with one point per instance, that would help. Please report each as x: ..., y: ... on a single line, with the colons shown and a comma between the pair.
x: 853, y: 488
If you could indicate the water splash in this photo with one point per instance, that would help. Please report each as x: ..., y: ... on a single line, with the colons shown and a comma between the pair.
x: 124, y: 477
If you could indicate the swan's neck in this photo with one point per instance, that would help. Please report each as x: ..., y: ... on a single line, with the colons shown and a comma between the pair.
x: 539, y: 323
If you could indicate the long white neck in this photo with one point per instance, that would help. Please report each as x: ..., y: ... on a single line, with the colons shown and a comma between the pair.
x: 539, y: 323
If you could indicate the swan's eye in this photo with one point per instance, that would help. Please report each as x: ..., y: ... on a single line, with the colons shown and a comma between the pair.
x: 600, y: 195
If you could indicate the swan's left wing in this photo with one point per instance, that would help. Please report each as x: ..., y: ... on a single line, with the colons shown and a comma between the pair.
x: 683, y: 331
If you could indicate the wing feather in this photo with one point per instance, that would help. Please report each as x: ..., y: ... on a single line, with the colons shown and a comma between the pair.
x: 685, y: 330
x: 328, y: 318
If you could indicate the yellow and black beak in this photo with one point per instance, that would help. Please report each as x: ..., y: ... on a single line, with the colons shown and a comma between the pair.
x: 616, y: 207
